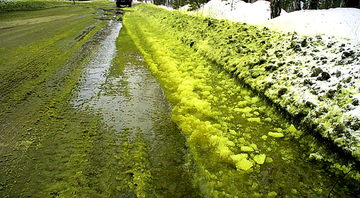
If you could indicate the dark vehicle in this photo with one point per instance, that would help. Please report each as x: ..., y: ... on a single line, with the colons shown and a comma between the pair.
x: 123, y: 2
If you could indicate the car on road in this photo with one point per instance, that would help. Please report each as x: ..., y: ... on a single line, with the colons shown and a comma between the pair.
x: 123, y: 2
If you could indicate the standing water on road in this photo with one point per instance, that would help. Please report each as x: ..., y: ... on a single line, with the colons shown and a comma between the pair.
x: 150, y: 150
x: 100, y: 62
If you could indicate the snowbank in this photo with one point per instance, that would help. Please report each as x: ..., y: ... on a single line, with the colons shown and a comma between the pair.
x: 339, y: 22
x: 237, y: 11
x: 313, y: 73
x: 290, y: 70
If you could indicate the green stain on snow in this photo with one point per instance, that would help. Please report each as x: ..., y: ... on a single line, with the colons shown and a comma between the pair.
x: 241, y: 161
x: 260, y: 159
x: 247, y: 149
x: 272, y: 194
x: 276, y: 135
x: 258, y: 120
x: 221, y: 119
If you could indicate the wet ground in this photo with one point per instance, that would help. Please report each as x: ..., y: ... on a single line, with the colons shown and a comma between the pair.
x: 150, y: 148
x: 83, y: 116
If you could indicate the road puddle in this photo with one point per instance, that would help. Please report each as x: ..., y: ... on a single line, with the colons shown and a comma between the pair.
x: 150, y: 148
x: 97, y: 68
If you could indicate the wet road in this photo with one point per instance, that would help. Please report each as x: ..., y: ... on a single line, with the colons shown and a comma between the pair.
x: 117, y: 84
x: 46, y: 146
x: 83, y: 116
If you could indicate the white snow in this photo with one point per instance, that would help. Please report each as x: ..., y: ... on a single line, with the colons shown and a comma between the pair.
x: 238, y: 11
x: 339, y: 22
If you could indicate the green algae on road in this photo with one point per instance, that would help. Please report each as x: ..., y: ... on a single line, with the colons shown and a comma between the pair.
x: 48, y: 148
x: 239, y: 145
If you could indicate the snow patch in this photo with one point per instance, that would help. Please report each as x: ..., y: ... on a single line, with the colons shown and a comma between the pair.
x: 237, y: 11
x: 338, y: 22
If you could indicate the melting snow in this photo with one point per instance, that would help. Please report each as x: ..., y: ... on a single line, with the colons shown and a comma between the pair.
x: 338, y: 28
x: 340, y: 22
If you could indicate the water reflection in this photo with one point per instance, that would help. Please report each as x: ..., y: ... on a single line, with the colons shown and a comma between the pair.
x: 100, y: 61
x: 149, y: 145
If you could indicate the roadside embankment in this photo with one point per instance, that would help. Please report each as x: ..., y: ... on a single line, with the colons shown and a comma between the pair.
x: 314, y: 79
